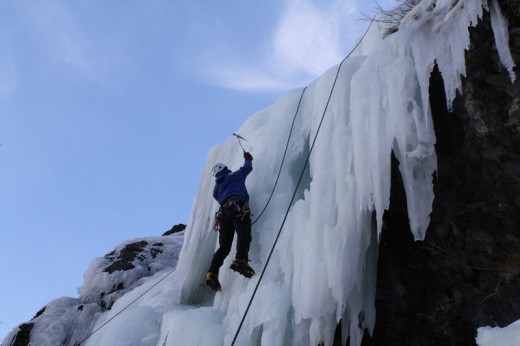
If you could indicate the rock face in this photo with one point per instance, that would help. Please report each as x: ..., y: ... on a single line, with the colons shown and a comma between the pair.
x: 466, y: 273
x: 175, y: 229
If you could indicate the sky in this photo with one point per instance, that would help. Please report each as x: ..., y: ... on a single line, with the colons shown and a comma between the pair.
x: 109, y: 108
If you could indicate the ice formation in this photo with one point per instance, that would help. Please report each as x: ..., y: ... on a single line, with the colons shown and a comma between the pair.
x: 492, y: 336
x: 323, y: 268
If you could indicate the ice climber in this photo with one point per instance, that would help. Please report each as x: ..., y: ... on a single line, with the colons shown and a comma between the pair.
x: 233, y: 216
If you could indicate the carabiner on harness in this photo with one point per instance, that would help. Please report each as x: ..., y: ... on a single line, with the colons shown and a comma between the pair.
x: 216, y: 222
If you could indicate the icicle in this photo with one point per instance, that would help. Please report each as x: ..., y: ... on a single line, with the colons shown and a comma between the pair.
x: 501, y: 33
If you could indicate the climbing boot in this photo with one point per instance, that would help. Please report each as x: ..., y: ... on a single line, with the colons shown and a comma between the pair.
x: 212, y: 281
x: 242, y: 267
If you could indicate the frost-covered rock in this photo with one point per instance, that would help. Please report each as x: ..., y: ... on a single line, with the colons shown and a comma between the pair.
x: 118, y: 272
x: 64, y: 321
x: 67, y: 321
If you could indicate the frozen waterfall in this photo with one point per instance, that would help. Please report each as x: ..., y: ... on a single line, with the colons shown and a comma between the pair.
x: 323, y: 268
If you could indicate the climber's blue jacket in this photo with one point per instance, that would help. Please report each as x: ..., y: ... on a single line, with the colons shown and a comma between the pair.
x: 232, y: 184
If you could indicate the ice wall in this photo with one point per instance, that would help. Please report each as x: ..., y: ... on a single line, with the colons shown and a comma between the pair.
x: 506, y: 336
x: 323, y: 269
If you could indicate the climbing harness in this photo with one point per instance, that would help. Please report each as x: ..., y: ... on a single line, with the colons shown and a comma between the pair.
x: 296, y: 189
x: 234, y: 207
x: 216, y: 222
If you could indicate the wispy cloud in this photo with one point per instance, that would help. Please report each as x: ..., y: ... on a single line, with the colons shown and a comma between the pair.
x: 249, y: 78
x: 9, y: 76
x: 59, y: 33
x: 309, y: 38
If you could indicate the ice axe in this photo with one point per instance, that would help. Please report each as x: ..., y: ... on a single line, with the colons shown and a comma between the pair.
x: 238, y: 140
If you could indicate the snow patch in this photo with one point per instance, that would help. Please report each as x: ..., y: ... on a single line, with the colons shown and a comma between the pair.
x: 492, y: 336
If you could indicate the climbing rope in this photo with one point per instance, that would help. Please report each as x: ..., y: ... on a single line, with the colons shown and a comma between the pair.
x: 126, y: 307
x: 296, y: 189
x: 283, y: 158
x: 265, y: 207
x: 263, y: 210
x: 272, y: 192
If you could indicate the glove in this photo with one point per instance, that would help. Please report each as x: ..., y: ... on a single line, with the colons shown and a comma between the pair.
x: 247, y: 156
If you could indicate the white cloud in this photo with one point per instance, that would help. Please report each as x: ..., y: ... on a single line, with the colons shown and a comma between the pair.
x: 60, y: 33
x: 309, y: 38
x: 245, y: 78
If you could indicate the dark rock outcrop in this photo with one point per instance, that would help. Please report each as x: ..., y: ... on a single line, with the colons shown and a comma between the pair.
x: 466, y: 273
x: 175, y: 229
x: 121, y: 270
x: 23, y: 337
x: 124, y: 258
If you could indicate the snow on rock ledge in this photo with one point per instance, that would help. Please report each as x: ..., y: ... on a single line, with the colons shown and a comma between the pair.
x: 118, y: 272
x: 67, y: 321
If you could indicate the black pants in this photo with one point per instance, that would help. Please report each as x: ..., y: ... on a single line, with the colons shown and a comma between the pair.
x: 228, y: 226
